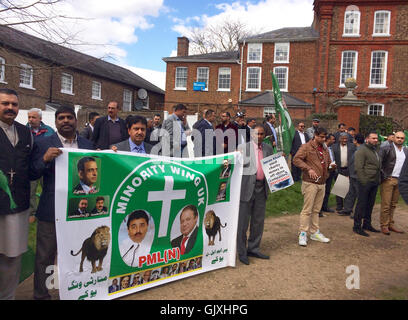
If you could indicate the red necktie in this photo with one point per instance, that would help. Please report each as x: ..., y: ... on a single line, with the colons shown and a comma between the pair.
x: 183, y: 245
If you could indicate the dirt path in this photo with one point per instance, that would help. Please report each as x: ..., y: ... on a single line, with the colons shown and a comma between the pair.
x: 293, y: 272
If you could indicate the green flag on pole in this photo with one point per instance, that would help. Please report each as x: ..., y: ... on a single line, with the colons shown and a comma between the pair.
x: 287, y: 127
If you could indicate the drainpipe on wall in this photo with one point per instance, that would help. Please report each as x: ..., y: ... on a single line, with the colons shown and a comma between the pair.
x: 240, y: 76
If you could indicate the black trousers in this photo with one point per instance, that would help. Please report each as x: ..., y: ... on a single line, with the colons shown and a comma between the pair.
x: 340, y: 202
x: 296, y: 173
x: 365, y: 204
x: 329, y: 182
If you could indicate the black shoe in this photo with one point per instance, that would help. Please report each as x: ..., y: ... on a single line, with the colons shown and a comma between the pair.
x: 370, y: 228
x: 328, y: 210
x: 244, y: 260
x: 343, y: 213
x: 321, y: 214
x: 361, y: 232
x: 258, y: 255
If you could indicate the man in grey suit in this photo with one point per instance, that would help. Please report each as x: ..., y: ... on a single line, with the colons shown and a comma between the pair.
x: 254, y: 192
x: 137, y: 126
x: 175, y: 141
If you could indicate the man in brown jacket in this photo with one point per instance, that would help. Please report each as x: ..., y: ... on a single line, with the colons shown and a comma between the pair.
x: 314, y: 160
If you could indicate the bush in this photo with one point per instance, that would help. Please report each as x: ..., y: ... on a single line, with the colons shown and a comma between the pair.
x: 324, y: 116
x: 381, y: 125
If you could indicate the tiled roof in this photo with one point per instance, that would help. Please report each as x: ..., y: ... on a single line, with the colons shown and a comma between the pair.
x: 267, y: 99
x: 72, y: 59
x: 225, y: 56
x: 285, y: 34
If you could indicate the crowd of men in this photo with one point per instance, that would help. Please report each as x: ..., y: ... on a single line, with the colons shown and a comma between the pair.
x: 29, y: 153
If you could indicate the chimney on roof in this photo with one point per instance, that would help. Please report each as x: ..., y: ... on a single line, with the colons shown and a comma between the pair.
x: 182, y: 46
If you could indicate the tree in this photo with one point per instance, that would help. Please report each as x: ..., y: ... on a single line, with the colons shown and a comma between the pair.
x: 220, y: 37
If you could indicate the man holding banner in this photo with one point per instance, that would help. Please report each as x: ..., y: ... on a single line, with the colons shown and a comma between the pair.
x: 43, y: 165
x: 254, y: 192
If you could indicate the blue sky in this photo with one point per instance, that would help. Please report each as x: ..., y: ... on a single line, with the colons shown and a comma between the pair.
x: 137, y: 34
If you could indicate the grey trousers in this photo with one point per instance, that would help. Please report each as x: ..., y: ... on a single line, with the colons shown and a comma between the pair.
x: 44, y: 257
x: 252, y: 214
x: 10, y: 268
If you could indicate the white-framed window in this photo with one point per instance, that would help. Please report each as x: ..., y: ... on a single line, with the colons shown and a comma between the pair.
x: 254, y: 53
x: 224, y: 79
x: 382, y: 20
x: 203, y: 75
x: 127, y: 100
x: 281, y: 52
x: 268, y: 111
x: 351, y: 24
x: 253, y: 79
x: 2, y: 70
x: 348, y: 66
x: 378, y: 70
x: 181, y: 78
x: 281, y: 74
x: 26, y: 76
x: 96, y: 90
x: 376, y: 109
x: 67, y: 83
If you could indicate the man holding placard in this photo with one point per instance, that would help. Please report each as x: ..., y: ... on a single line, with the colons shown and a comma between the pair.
x: 314, y: 160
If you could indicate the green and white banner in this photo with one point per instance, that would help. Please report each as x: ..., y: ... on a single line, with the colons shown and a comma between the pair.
x: 127, y: 222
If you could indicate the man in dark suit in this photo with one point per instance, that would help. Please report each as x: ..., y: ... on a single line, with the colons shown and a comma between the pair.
x: 81, y: 211
x: 254, y: 192
x: 99, y: 207
x: 88, y: 130
x: 270, y: 131
x: 330, y: 140
x: 226, y: 134
x: 109, y: 129
x: 188, y: 229
x: 153, y: 131
x: 43, y: 164
x: 88, y: 175
x: 204, y: 139
x: 343, y: 152
x: 300, y: 138
x: 137, y: 126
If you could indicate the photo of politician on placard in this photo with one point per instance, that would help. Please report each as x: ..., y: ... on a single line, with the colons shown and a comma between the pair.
x: 136, y: 235
x: 87, y: 180
x: 188, y: 228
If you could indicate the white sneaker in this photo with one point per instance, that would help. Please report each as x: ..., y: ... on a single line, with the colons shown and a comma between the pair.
x: 303, y: 239
x: 318, y: 236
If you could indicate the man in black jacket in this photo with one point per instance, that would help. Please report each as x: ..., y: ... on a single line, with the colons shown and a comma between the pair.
x: 15, y: 145
x: 43, y: 165
x: 300, y: 138
x: 109, y: 129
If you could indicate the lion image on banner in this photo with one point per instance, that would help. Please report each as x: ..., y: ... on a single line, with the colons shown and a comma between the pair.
x: 212, y: 225
x: 95, y: 248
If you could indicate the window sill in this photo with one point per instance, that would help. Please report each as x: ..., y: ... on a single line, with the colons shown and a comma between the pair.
x: 282, y: 62
x: 180, y: 89
x: 4, y: 82
x: 224, y: 90
x: 254, y: 62
x: 27, y: 87
x: 253, y: 90
x: 69, y: 93
x: 351, y: 35
x: 377, y: 87
x: 381, y: 35
x: 96, y: 98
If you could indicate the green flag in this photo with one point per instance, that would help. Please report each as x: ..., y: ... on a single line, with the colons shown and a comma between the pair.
x: 406, y: 138
x: 287, y: 127
x: 4, y: 185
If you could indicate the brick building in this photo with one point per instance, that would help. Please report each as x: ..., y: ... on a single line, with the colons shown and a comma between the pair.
x: 46, y: 74
x: 363, y: 39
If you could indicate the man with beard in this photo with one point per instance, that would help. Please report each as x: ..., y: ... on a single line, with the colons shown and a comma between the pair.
x: 81, y: 211
x: 229, y: 132
x: 367, y: 164
x: 43, y: 165
x: 392, y: 156
x: 109, y: 129
x: 16, y: 144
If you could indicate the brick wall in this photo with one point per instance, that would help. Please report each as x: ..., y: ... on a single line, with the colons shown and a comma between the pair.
x: 47, y: 85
